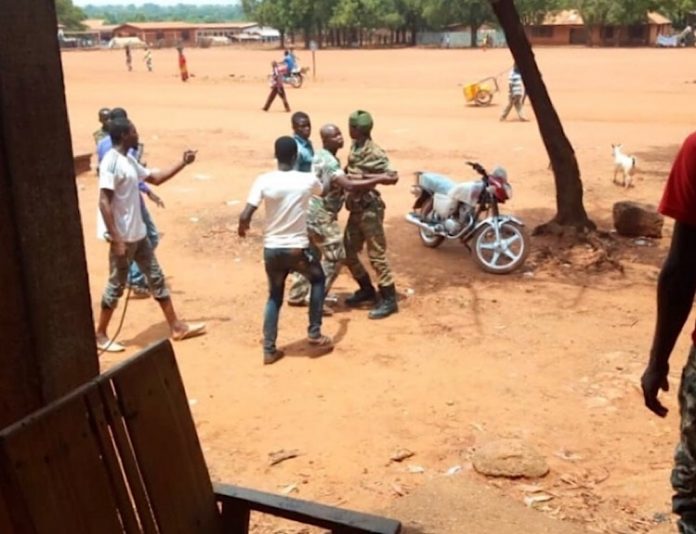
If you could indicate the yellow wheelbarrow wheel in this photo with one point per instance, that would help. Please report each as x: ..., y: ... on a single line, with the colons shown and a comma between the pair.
x: 480, y: 94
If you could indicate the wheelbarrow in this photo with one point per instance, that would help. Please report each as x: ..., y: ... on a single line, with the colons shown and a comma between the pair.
x: 481, y: 92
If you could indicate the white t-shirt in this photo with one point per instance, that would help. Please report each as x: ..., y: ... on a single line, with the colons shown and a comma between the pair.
x: 122, y: 174
x: 286, y: 197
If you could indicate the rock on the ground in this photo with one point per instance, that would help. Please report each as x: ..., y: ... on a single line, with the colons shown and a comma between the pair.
x: 634, y: 219
x: 510, y: 458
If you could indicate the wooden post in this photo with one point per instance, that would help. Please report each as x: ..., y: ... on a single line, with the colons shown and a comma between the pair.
x: 46, y: 331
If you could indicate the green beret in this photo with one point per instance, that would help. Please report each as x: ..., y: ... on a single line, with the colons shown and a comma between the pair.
x: 361, y: 119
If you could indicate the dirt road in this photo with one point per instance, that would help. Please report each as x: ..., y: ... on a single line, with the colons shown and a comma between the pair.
x: 552, y: 356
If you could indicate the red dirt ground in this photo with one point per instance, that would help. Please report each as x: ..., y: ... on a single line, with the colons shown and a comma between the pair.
x: 552, y: 356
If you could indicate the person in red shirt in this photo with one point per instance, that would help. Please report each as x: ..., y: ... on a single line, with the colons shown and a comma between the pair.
x: 277, y: 89
x: 675, y: 297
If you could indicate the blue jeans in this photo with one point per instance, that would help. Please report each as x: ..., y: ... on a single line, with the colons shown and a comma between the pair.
x: 135, y: 276
x: 279, y: 263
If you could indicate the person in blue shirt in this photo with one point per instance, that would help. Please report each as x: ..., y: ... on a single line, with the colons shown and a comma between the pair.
x: 302, y: 128
x: 290, y: 62
x: 136, y: 279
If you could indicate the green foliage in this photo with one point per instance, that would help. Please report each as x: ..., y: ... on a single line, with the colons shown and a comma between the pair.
x: 118, y: 14
x: 317, y: 16
x: 69, y: 15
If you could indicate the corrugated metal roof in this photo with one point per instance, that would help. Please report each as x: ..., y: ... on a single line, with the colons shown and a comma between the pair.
x: 657, y: 18
x: 572, y: 17
x: 566, y: 17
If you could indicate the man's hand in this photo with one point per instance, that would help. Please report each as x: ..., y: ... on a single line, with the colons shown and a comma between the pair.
x: 190, y: 156
x: 653, y: 380
x: 391, y: 178
x: 119, y: 248
x: 242, y: 229
x: 156, y: 199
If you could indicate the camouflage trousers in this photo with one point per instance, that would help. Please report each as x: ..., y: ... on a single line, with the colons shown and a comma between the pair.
x: 366, y: 228
x: 326, y: 239
x: 684, y: 472
x: 516, y: 101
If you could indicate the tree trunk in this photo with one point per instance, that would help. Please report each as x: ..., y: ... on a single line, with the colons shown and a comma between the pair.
x: 282, y: 39
x: 474, y: 35
x: 570, y: 210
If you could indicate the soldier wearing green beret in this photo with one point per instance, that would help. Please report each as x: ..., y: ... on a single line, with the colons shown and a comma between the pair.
x: 365, y: 225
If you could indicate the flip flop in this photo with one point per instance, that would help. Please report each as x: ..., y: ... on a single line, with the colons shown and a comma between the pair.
x: 110, y: 346
x: 192, y: 330
x: 321, y: 341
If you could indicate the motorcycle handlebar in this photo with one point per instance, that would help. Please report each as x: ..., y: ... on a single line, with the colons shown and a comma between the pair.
x: 478, y: 168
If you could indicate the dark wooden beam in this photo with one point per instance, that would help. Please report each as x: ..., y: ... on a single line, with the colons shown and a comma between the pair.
x: 46, y: 328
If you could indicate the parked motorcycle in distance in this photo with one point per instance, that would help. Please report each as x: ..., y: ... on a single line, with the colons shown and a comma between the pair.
x: 468, y: 211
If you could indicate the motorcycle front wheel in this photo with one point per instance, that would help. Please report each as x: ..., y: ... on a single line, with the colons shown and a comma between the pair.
x: 501, y: 252
x: 429, y: 239
x: 296, y: 81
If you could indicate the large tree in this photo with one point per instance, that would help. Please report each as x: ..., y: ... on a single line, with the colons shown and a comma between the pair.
x: 69, y: 15
x: 570, y: 210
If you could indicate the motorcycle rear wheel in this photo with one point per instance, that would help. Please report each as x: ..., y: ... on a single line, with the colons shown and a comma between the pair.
x: 296, y: 80
x: 503, y: 255
x: 429, y: 239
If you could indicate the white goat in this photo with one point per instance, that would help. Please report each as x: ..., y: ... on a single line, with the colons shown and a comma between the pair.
x: 625, y: 164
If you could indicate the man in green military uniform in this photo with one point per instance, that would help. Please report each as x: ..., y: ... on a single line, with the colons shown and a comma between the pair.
x: 322, y: 217
x: 366, y: 221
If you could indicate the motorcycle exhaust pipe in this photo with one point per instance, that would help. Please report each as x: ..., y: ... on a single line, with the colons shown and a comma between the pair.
x: 413, y: 219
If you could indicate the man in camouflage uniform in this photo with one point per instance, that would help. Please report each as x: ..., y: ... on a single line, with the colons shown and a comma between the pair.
x: 322, y: 218
x: 366, y: 221
x: 675, y: 297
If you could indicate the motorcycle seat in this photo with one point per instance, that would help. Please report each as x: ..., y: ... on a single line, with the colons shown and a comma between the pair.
x: 435, y: 183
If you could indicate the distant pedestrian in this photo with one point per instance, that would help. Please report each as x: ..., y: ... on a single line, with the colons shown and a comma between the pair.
x: 277, y: 88
x: 183, y: 68
x: 515, y: 95
x: 148, y: 59
x: 129, y: 58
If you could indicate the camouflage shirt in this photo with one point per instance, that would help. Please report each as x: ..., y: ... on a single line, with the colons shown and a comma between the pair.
x: 369, y: 158
x: 326, y: 167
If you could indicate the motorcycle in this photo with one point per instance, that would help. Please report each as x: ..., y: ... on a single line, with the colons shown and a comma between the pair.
x: 296, y: 77
x: 446, y: 210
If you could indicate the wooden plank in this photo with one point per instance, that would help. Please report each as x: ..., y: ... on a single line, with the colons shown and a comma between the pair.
x: 153, y: 401
x: 334, y: 519
x: 127, y: 456
x: 53, y: 320
x: 235, y: 517
x: 57, y: 472
x: 100, y: 427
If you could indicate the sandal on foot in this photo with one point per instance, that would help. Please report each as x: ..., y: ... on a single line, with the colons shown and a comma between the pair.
x: 110, y: 346
x: 192, y: 330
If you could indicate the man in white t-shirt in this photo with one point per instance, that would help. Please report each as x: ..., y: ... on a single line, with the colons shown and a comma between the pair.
x: 119, y: 205
x: 286, y: 194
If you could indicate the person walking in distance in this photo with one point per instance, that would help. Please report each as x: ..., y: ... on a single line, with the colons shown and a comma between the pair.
x: 148, y: 59
x: 121, y: 224
x: 676, y: 289
x: 285, y: 194
x: 277, y: 88
x: 366, y: 220
x: 129, y: 58
x: 515, y: 95
x: 183, y: 67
